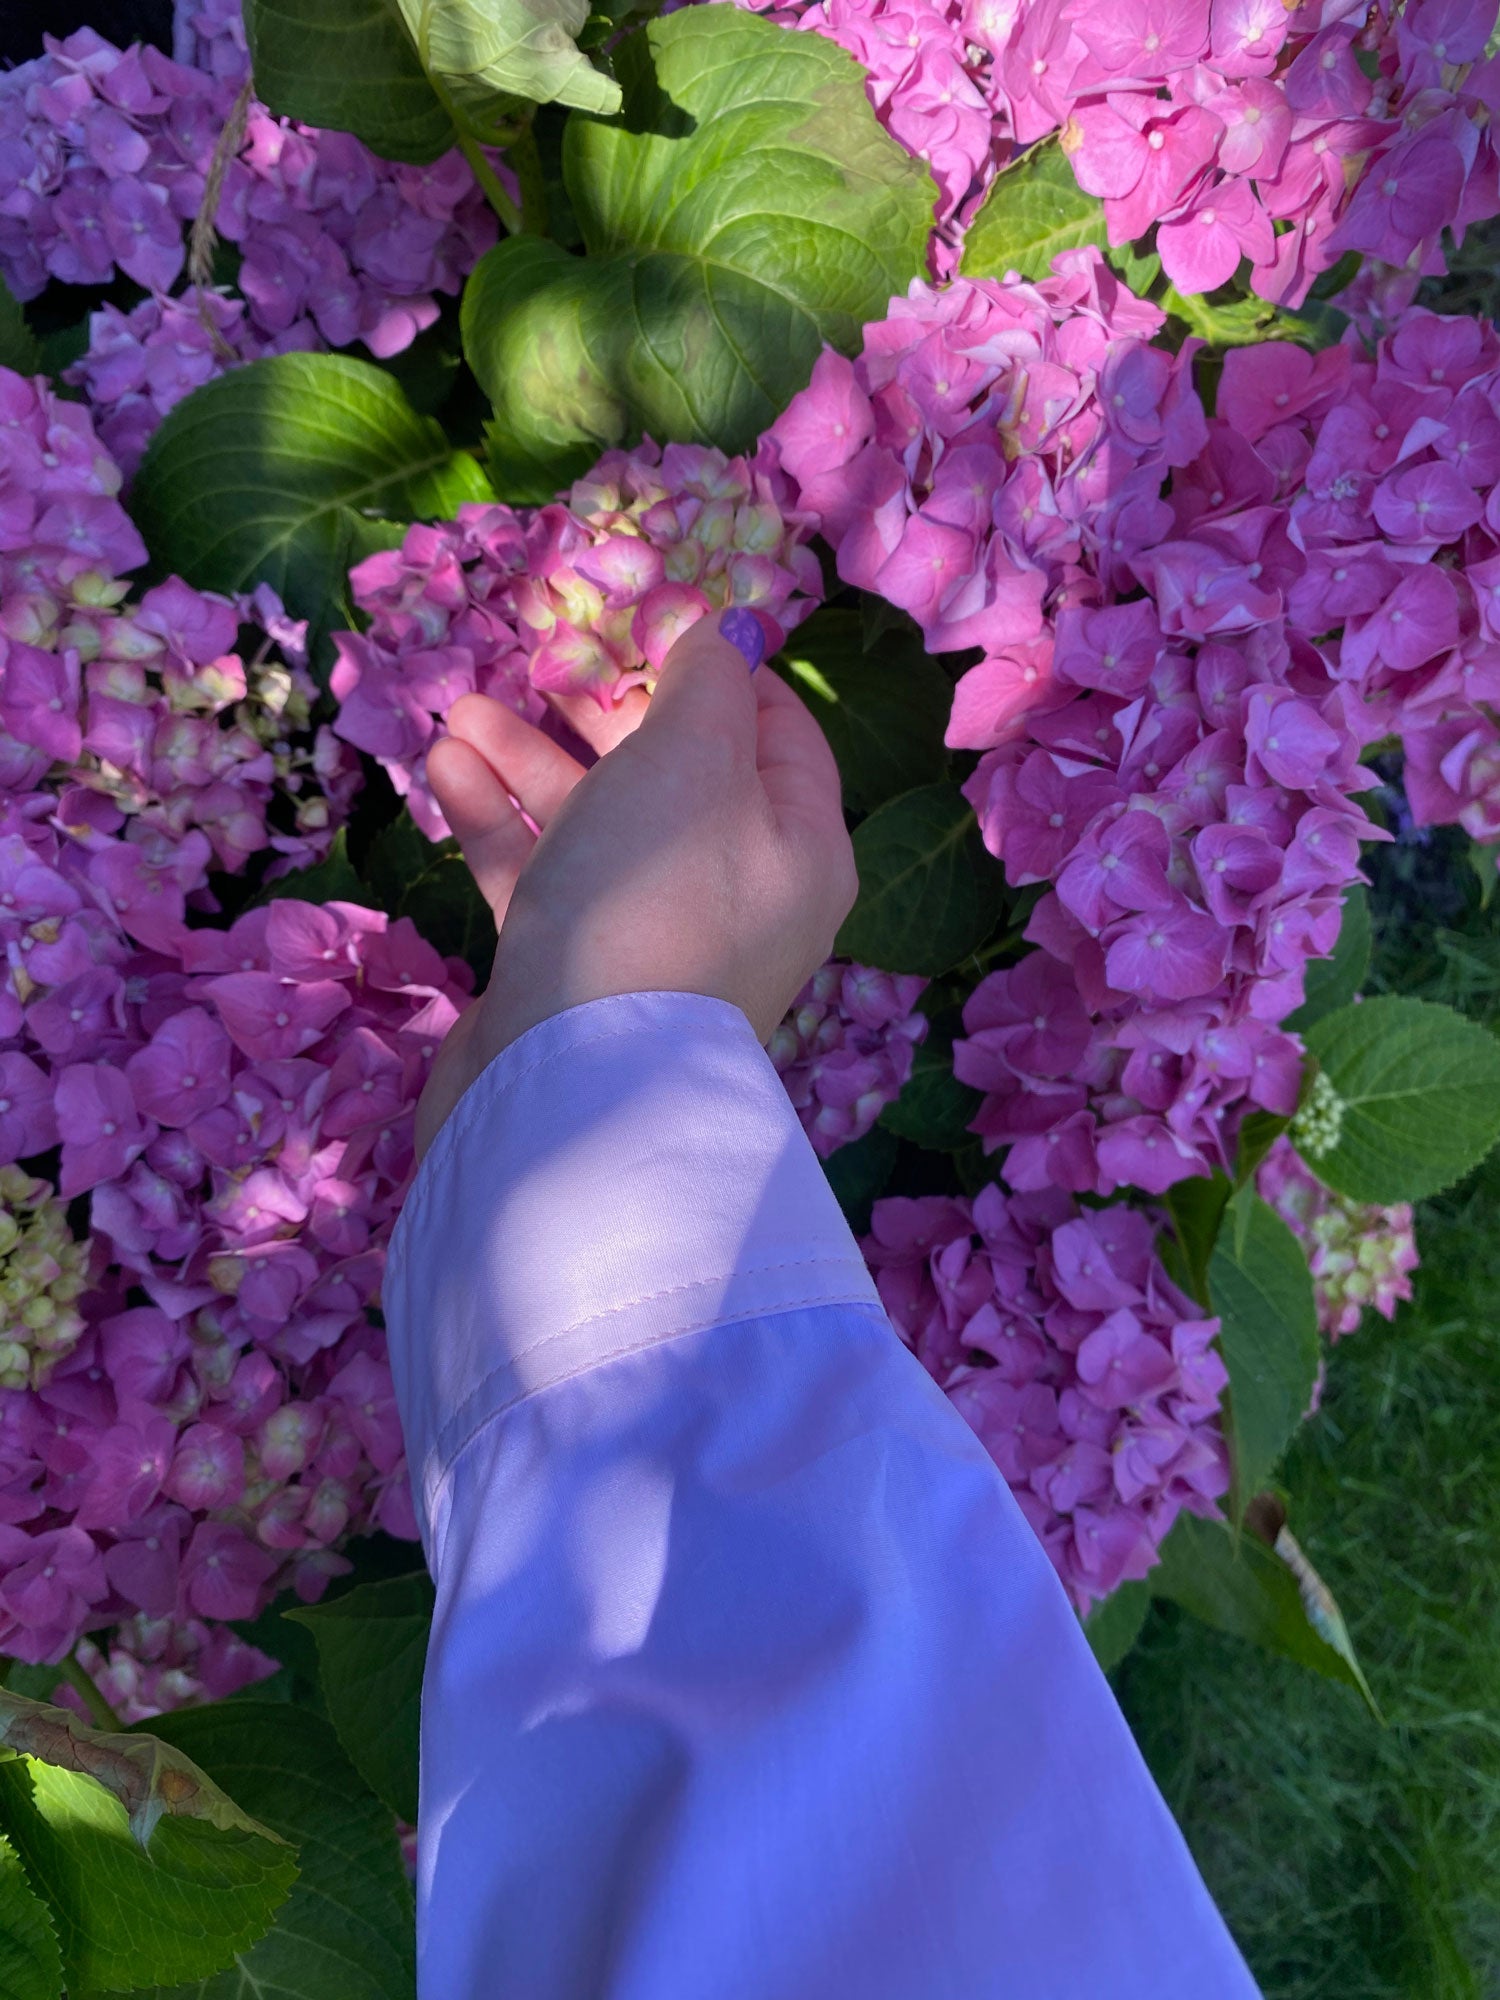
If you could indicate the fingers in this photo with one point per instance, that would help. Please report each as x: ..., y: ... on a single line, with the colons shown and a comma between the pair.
x: 474, y: 802
x: 705, y: 692
x: 796, y: 766
x: 539, y: 772
x: 602, y: 728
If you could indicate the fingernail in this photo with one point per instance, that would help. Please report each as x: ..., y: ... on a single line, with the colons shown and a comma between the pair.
x: 744, y: 632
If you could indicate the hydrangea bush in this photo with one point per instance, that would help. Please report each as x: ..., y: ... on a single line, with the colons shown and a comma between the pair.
x: 1059, y: 397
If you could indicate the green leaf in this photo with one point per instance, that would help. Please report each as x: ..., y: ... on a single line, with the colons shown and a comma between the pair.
x: 1245, y: 322
x: 280, y: 471
x: 1236, y: 1584
x: 1196, y: 1207
x: 430, y: 882
x: 30, y: 1957
x: 1259, y: 1131
x: 126, y: 1917
x: 331, y: 880
x: 347, y: 66
x: 372, y: 1647
x: 929, y: 893
x: 413, y: 77
x: 1419, y: 1088
x: 1113, y: 1627
x: 858, y: 1174
x: 1033, y: 210
x: 142, y: 1774
x: 934, y: 1109
x: 883, y: 711
x: 1333, y: 981
x: 744, y: 210
x: 481, y: 56
x: 1262, y: 1290
x: 19, y: 348
x: 347, y: 1930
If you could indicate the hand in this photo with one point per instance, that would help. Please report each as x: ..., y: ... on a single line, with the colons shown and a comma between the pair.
x: 705, y: 852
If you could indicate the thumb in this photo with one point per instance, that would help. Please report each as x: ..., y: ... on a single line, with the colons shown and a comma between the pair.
x: 704, y: 692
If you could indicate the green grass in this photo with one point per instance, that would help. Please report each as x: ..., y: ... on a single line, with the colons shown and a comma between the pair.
x: 1354, y: 1862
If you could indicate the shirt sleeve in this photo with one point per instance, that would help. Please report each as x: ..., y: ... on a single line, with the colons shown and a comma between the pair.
x: 748, y: 1680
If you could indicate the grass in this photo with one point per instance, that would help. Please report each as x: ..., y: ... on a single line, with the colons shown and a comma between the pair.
x: 1354, y: 1862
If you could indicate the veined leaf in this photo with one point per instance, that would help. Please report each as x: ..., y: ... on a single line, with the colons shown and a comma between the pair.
x: 127, y: 1916
x: 929, y: 893
x: 372, y: 1646
x: 1416, y: 1099
x: 1261, y: 1288
x: 883, y: 710
x: 412, y: 78
x: 1238, y: 1585
x: 744, y: 209
x: 30, y: 1958
x: 277, y: 472
x: 346, y: 1932
x: 1033, y: 210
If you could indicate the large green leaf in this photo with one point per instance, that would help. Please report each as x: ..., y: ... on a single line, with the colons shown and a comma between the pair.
x: 1238, y: 1585
x: 929, y: 893
x: 413, y: 77
x: 1113, y: 1627
x: 1196, y: 1207
x: 883, y: 710
x: 30, y: 1958
x: 1417, y: 1090
x: 347, y: 1931
x: 280, y: 471
x: 372, y: 1646
x: 1260, y: 1286
x: 430, y: 882
x: 858, y: 1174
x: 934, y: 1109
x: 1033, y: 210
x: 1334, y: 981
x: 129, y: 1916
x: 744, y: 209
x: 18, y: 344
x: 349, y: 66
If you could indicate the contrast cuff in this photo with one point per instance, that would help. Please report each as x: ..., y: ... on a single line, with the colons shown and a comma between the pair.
x: 626, y: 1171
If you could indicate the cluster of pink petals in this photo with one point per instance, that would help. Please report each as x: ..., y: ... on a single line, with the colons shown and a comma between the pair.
x: 1236, y: 129
x: 1173, y: 766
x: 845, y: 1049
x: 1395, y: 460
x: 1091, y: 1380
x: 1247, y: 129
x: 149, y: 1666
x: 104, y: 159
x: 140, y: 364
x: 1361, y: 1255
x: 145, y: 704
x: 198, y: 1409
x: 927, y: 76
x: 236, y: 1104
x: 585, y: 594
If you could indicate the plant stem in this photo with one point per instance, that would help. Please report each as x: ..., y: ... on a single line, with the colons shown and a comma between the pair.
x: 527, y: 162
x: 489, y: 180
x: 78, y: 1676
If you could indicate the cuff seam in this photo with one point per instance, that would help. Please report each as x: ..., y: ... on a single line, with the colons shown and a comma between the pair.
x: 433, y: 1485
x: 459, y: 1120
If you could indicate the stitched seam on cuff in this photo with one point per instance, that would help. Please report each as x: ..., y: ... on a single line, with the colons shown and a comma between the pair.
x: 463, y: 1115
x: 433, y: 1484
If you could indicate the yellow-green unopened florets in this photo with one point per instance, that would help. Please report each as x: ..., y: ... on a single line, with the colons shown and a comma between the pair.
x: 43, y: 1271
x: 1316, y: 1128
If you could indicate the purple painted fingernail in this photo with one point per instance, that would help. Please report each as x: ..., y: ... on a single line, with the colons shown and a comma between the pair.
x: 745, y: 633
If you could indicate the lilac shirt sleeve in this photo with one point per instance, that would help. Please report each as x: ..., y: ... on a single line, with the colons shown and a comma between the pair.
x: 748, y: 1680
